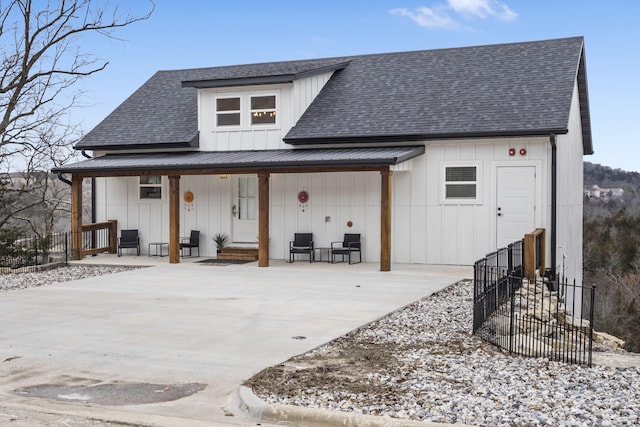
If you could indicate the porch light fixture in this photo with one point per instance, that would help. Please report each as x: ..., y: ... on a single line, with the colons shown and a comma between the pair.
x: 223, y: 176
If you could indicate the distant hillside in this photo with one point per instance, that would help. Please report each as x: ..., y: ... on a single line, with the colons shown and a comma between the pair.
x: 611, y: 252
x: 606, y: 177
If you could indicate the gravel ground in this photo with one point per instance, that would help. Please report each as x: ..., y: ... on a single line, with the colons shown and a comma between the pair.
x: 15, y: 281
x: 422, y: 363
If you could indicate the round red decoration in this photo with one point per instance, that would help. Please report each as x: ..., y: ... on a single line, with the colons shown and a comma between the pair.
x: 349, y: 224
x: 512, y: 151
x: 523, y: 151
x: 303, y: 197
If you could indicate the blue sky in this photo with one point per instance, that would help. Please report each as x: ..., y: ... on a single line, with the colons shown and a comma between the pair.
x: 192, y: 33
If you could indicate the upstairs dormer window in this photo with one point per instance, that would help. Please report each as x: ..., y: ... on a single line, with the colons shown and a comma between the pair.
x: 263, y: 110
x: 245, y: 111
x: 228, y: 111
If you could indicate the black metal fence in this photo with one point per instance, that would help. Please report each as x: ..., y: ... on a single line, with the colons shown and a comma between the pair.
x: 524, y: 317
x: 490, y: 276
x: 19, y: 255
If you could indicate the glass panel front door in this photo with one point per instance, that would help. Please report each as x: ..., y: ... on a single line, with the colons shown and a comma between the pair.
x: 245, y: 209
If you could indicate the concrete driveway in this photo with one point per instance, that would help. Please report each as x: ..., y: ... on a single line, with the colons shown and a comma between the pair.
x: 188, y: 323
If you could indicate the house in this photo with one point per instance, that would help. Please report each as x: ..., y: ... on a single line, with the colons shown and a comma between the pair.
x: 434, y: 156
x: 604, y: 193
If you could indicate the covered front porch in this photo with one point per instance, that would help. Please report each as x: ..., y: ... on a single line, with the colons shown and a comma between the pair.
x: 261, y: 164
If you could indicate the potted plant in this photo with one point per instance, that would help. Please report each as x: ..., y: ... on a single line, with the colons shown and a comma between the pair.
x: 220, y: 240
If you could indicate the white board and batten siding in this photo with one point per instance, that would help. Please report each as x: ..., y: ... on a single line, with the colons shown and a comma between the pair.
x: 570, y: 197
x: 118, y: 198
x: 335, y: 200
x: 429, y: 229
x: 426, y: 229
x: 291, y: 102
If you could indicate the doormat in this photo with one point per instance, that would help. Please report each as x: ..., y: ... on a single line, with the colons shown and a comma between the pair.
x: 223, y: 262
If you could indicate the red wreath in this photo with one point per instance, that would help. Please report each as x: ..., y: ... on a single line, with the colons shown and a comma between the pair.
x: 303, y: 197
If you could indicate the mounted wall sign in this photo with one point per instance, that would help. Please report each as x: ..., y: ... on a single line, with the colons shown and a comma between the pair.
x: 188, y: 200
x: 303, y: 197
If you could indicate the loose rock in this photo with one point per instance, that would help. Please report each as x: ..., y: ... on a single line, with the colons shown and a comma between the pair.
x: 422, y: 363
x: 16, y: 281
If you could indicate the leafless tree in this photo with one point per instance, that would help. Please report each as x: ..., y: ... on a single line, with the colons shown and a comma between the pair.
x: 42, y: 61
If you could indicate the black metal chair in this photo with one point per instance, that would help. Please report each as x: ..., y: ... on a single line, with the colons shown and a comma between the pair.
x: 302, y: 243
x: 128, y: 239
x: 349, y: 245
x: 191, y: 242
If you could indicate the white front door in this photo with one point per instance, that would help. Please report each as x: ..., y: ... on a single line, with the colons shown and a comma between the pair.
x: 245, y: 209
x: 515, y: 210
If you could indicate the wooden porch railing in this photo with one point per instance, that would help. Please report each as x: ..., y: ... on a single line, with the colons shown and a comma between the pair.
x: 99, y: 237
x: 534, y: 253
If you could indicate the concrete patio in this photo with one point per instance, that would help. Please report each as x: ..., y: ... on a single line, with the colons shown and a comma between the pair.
x: 189, y: 323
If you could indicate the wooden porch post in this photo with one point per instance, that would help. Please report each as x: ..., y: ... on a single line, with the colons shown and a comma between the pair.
x: 76, y: 217
x: 174, y: 219
x: 263, y: 219
x: 385, y: 220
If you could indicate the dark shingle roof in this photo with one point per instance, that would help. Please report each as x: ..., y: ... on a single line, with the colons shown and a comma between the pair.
x: 509, y: 89
x: 159, y: 113
x: 245, y: 160
x: 163, y: 112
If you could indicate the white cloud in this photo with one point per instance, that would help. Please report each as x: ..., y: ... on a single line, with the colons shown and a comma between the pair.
x: 428, y: 17
x: 439, y: 16
x: 483, y: 9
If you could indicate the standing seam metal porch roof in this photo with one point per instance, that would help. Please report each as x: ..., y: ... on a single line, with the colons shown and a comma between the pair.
x: 246, y: 160
x: 480, y: 91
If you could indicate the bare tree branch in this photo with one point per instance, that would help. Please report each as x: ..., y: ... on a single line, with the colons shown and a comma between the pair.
x: 38, y: 60
x: 41, y: 62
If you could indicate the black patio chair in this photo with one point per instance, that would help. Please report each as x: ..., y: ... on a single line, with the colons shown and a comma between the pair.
x: 191, y: 242
x: 128, y: 239
x: 302, y: 243
x: 349, y: 245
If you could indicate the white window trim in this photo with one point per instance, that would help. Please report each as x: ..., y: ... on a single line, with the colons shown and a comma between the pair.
x: 150, y: 199
x: 443, y: 183
x: 245, y: 110
x: 263, y: 110
x: 215, y: 107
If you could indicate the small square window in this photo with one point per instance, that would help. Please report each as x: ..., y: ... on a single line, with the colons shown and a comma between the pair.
x: 263, y: 110
x: 151, y: 187
x: 228, y: 111
x: 460, y: 183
